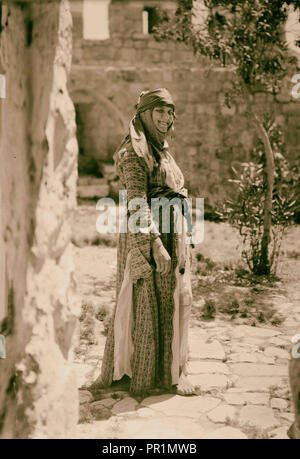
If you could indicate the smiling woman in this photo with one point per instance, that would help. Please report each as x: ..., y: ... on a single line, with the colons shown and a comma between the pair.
x: 146, y: 345
x: 163, y: 118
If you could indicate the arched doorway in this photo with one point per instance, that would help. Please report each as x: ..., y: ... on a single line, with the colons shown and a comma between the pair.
x: 100, y: 128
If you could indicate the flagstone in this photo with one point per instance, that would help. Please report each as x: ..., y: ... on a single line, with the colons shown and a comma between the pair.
x: 159, y: 428
x: 221, y: 413
x: 177, y: 405
x: 280, y: 433
x: 146, y: 412
x: 196, y: 367
x: 258, y: 332
x: 247, y: 398
x: 148, y: 429
x: 250, y: 369
x: 242, y: 357
x: 280, y: 341
x: 288, y: 416
x: 225, y: 433
x: 202, y: 350
x: 238, y: 334
x: 273, y: 351
x: 257, y: 383
x: 279, y: 404
x: 255, y: 398
x: 234, y: 399
x: 125, y: 405
x: 107, y: 402
x: 259, y: 416
x: 99, y: 411
x: 209, y: 381
x: 265, y: 359
x: 254, y: 340
x: 85, y: 396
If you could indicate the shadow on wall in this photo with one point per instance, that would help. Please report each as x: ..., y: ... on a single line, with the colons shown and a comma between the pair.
x: 100, y: 128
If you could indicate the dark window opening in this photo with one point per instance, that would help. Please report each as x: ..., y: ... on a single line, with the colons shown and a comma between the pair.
x: 153, y: 18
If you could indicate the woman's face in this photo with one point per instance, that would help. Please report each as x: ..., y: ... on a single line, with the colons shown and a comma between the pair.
x: 163, y: 117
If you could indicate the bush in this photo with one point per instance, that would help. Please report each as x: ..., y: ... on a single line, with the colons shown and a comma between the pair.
x: 245, y: 210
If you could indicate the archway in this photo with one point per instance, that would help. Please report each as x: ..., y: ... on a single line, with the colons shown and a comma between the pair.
x: 100, y: 128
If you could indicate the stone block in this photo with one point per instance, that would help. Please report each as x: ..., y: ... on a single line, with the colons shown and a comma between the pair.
x: 180, y: 406
x: 213, y: 350
x: 106, y: 402
x: 258, y: 416
x: 222, y: 413
x: 258, y: 384
x: 85, y: 397
x: 225, y: 433
x: 128, y: 404
x: 247, y: 398
x: 250, y: 369
x: 273, y: 351
x: 99, y: 411
x: 279, y: 404
x: 195, y: 367
x: 209, y: 381
x: 242, y: 357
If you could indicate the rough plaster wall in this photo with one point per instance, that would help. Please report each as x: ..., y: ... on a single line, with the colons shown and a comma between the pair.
x: 38, y: 391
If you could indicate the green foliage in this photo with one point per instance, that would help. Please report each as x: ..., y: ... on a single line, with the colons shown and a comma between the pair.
x: 245, y: 210
x: 246, y: 34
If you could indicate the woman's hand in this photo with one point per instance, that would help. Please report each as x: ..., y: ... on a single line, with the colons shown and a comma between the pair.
x: 161, y: 257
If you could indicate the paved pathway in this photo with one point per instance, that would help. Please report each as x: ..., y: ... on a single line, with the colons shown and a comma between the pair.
x: 242, y: 372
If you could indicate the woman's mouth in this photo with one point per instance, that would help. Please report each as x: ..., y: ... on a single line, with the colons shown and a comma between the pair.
x: 163, y: 125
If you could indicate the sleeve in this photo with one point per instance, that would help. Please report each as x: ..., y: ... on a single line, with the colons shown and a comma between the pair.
x: 134, y: 176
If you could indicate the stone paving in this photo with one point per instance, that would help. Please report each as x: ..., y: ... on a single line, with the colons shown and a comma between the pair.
x: 242, y: 372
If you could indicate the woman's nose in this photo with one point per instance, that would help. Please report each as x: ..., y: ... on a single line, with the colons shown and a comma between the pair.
x: 166, y: 116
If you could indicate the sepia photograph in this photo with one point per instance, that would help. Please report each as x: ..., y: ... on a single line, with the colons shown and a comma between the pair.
x: 150, y: 222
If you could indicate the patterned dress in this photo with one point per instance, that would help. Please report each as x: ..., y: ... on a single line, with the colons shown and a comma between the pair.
x: 159, y: 311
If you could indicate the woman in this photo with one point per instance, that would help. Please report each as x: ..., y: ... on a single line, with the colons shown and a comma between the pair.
x: 147, y: 340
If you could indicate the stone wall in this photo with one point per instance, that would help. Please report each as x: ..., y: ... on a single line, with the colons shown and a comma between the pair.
x: 38, y: 391
x: 209, y: 138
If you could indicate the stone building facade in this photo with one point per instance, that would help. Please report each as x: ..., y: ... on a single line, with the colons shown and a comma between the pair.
x: 108, y: 75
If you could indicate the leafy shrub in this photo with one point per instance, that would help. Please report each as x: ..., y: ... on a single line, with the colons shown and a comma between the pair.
x: 245, y: 210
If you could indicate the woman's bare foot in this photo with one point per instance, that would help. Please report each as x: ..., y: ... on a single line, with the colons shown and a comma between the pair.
x: 185, y: 387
